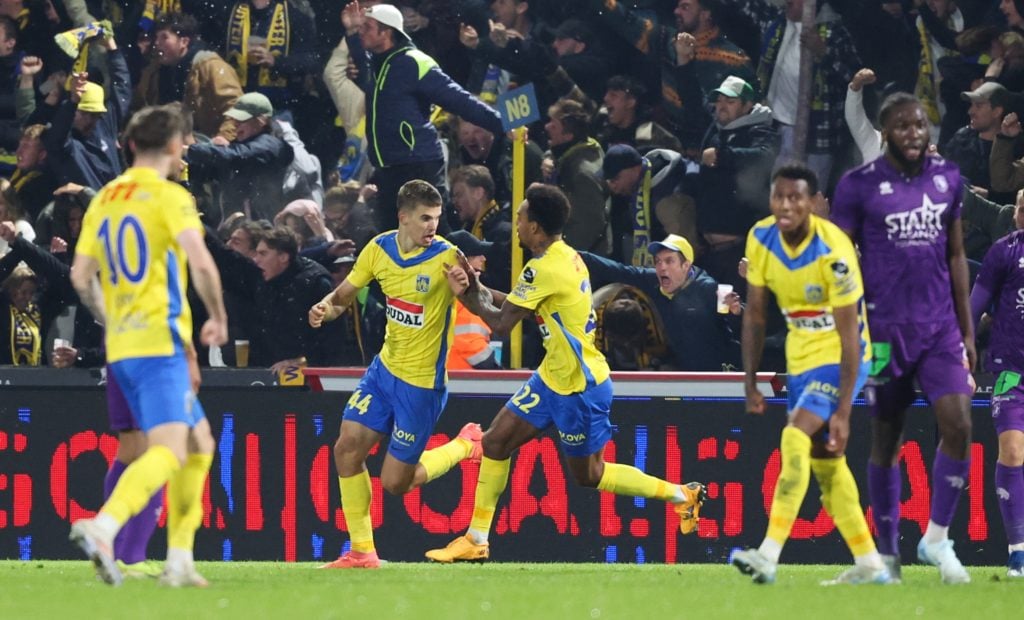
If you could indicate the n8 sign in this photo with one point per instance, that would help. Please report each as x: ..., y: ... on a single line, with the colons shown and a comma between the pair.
x: 518, y: 107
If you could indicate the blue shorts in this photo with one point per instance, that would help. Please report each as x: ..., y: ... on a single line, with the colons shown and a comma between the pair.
x: 817, y: 390
x: 384, y: 403
x: 581, y: 418
x: 158, y: 390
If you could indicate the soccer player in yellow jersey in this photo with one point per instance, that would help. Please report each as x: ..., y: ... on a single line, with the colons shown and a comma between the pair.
x: 811, y: 267
x: 404, y: 389
x: 139, y: 234
x: 571, y: 389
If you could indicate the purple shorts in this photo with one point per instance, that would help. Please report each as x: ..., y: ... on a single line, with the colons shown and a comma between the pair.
x: 931, y: 353
x: 118, y: 412
x: 1008, y: 403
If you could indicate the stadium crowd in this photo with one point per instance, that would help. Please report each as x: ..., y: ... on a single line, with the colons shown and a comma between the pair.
x: 662, y: 122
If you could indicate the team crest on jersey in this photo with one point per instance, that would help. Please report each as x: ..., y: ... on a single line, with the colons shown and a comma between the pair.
x: 405, y: 313
x: 814, y: 294
x: 885, y: 188
x: 422, y: 283
x: 941, y: 183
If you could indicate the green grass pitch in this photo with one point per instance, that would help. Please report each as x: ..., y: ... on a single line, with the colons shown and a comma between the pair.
x: 251, y: 590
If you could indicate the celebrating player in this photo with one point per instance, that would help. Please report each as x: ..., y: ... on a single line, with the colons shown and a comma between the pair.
x: 903, y: 210
x: 404, y: 389
x: 1001, y: 280
x: 137, y: 234
x: 811, y: 267
x: 570, y: 390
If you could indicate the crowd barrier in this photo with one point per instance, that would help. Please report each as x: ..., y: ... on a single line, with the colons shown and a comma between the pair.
x: 273, y: 493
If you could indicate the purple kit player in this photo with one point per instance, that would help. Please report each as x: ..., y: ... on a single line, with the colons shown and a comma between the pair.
x: 903, y: 210
x: 1001, y: 280
x: 131, y: 542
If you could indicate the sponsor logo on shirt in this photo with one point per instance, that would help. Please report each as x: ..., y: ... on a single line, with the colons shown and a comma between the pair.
x: 844, y: 281
x: 920, y: 226
x: 405, y: 313
x: 544, y: 331
x: 1020, y: 301
x: 1020, y: 263
x: 811, y: 320
x: 529, y: 274
x: 885, y: 188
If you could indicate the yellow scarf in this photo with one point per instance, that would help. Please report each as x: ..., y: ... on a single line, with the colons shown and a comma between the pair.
x: 642, y: 220
x: 26, y: 343
x: 20, y: 178
x: 485, y: 214
x: 926, y: 88
x: 156, y: 9
x: 278, y: 41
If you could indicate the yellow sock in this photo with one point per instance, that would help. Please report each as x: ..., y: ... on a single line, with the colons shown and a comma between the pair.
x: 356, y: 492
x: 489, y: 487
x: 438, y: 461
x: 185, y: 501
x: 841, y: 499
x: 792, y: 483
x: 628, y: 480
x: 139, y: 482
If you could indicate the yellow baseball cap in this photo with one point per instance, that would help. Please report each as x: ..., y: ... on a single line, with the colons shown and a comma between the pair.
x: 92, y: 99
x: 674, y: 243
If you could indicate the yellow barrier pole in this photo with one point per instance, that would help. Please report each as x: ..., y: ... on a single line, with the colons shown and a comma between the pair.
x: 518, y: 195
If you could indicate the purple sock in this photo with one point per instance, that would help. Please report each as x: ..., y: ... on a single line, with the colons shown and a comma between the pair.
x: 113, y: 475
x: 884, y: 493
x: 1010, y: 493
x: 949, y: 478
x: 131, y: 542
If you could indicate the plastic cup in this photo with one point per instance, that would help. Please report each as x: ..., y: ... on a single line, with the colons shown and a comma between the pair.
x: 722, y: 293
x: 242, y: 353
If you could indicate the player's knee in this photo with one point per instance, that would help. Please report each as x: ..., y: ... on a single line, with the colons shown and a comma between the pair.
x: 956, y: 433
x: 1011, y: 449
x: 396, y: 486
x: 495, y: 448
x: 588, y: 478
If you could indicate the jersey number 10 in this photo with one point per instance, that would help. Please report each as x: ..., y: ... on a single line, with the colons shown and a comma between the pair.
x: 114, y: 245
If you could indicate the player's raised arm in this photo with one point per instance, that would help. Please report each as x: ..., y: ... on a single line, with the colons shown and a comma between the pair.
x: 753, y: 346
x: 206, y: 280
x: 958, y: 274
x: 333, y: 304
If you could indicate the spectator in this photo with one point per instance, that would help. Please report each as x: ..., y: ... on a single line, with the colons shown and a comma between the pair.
x: 280, y: 287
x: 685, y: 296
x: 476, y: 145
x: 471, y: 344
x: 646, y: 203
x: 246, y: 237
x: 938, y: 23
x: 731, y: 190
x: 252, y: 168
x: 10, y: 127
x: 10, y: 211
x: 485, y: 219
x: 625, y: 331
x: 400, y: 83
x: 574, y: 161
x: 710, y: 56
x: 574, y: 47
x: 272, y: 47
x: 347, y: 216
x: 985, y: 222
x: 628, y: 121
x: 184, y: 70
x: 835, y: 57
x: 304, y: 219
x: 81, y: 145
x: 971, y: 146
x: 32, y: 181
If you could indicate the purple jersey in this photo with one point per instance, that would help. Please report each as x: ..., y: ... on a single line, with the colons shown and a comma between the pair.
x: 1002, y: 275
x: 901, y: 225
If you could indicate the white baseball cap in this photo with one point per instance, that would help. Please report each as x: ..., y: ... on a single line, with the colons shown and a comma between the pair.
x: 387, y: 14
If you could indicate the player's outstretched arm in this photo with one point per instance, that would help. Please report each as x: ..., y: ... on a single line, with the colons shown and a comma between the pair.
x: 958, y: 273
x: 333, y: 304
x: 848, y: 326
x: 206, y: 280
x: 753, y: 346
x: 83, y: 278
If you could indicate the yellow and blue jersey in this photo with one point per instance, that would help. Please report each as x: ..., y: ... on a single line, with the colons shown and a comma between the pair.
x: 808, y: 281
x: 419, y: 306
x: 131, y: 229
x: 556, y: 286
